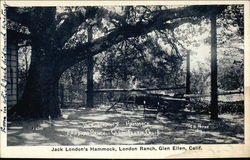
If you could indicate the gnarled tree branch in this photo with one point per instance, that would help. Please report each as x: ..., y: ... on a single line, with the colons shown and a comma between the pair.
x: 158, y: 22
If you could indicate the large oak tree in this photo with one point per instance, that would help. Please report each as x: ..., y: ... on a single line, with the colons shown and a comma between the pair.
x: 54, y: 50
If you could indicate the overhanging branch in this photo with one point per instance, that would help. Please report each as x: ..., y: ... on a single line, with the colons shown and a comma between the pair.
x: 158, y: 22
x: 72, y: 21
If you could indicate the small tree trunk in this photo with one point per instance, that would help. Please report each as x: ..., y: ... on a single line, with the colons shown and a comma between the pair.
x: 90, y: 85
x: 90, y: 66
x: 214, y: 86
x: 188, y: 74
x: 62, y: 95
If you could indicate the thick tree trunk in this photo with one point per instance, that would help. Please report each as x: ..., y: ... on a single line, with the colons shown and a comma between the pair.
x: 40, y: 98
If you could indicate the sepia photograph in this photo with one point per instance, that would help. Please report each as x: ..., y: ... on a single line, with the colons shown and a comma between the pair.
x: 93, y: 77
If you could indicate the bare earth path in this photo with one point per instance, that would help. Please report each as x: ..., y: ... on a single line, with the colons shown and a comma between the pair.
x: 90, y: 127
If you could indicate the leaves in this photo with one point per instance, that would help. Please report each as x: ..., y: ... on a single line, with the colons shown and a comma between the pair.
x: 233, y: 17
x: 132, y: 39
x: 137, y: 56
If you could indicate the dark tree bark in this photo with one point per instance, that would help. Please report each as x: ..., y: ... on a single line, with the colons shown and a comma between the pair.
x: 188, y: 74
x: 40, y: 98
x: 214, y: 86
x: 90, y: 81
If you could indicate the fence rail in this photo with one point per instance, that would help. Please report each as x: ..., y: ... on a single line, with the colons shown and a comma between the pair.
x: 208, y: 95
x: 76, y: 95
x: 136, y: 90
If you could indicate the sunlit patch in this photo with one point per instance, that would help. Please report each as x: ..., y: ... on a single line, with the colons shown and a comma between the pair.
x: 44, y: 125
x: 32, y: 136
x: 65, y: 116
x: 215, y: 134
x: 58, y: 125
x: 95, y: 117
x: 12, y: 132
x: 66, y: 130
x: 77, y: 141
x: 239, y: 136
x: 74, y: 122
x: 15, y: 127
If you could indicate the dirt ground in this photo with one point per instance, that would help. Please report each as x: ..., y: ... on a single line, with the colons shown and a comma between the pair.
x: 80, y: 126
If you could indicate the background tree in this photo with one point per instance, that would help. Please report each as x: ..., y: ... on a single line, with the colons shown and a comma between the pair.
x: 231, y: 48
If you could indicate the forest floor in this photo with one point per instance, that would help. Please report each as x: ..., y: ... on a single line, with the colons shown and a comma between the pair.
x: 80, y: 126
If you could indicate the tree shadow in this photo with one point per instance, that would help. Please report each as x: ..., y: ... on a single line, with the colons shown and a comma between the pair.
x: 97, y: 127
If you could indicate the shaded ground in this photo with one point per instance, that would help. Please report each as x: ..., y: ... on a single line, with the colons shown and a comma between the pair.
x: 89, y: 127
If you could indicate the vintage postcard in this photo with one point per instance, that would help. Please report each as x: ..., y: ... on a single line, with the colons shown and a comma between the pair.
x: 124, y: 79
